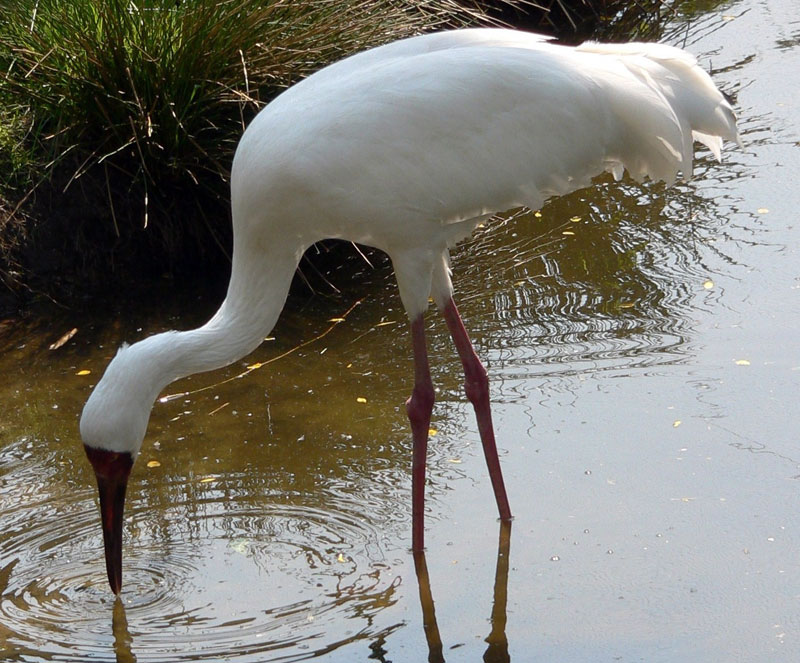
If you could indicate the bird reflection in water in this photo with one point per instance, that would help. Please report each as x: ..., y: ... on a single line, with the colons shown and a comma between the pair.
x: 497, y: 651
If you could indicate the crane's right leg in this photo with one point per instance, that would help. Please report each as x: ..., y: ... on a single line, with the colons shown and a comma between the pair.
x: 419, y: 408
x: 476, y: 384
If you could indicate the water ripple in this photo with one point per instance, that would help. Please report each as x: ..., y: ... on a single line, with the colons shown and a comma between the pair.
x: 229, y: 575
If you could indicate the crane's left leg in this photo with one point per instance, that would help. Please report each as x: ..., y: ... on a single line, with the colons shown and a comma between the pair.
x: 419, y: 407
x: 476, y: 385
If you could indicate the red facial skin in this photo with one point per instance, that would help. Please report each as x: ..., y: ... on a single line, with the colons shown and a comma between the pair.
x: 111, y: 469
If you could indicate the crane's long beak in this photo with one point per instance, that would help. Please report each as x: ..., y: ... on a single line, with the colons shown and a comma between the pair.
x: 112, y: 469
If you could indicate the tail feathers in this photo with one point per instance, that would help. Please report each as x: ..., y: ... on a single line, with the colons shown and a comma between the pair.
x: 699, y: 109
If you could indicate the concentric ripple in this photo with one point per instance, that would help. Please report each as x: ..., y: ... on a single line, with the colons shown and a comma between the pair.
x: 227, y: 576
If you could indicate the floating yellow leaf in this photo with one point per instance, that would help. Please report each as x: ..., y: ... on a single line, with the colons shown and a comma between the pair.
x: 567, y: 232
x: 341, y: 558
x: 676, y: 423
x: 84, y: 371
x: 432, y: 432
x: 537, y: 214
x: 457, y: 461
x: 361, y: 399
x: 762, y: 210
x: 207, y: 479
x: 627, y: 304
x: 253, y: 367
x: 350, y: 365
x: 708, y: 284
x: 575, y: 219
x: 336, y: 320
x: 742, y: 362
x: 153, y: 463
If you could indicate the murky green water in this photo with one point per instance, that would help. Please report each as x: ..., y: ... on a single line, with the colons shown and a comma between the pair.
x: 644, y: 377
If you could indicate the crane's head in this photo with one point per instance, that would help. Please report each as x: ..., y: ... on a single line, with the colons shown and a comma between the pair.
x: 113, y: 425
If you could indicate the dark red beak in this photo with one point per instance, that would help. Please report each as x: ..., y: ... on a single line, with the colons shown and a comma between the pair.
x: 111, y: 469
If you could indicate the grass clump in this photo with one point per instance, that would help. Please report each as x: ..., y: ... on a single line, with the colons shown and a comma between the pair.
x: 126, y: 112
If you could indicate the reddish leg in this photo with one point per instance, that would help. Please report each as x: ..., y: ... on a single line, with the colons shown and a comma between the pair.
x: 476, y: 384
x: 419, y: 408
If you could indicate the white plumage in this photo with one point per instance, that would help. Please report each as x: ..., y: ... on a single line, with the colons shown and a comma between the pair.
x: 406, y: 148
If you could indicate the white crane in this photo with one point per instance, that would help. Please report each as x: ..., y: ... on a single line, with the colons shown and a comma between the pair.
x: 406, y: 148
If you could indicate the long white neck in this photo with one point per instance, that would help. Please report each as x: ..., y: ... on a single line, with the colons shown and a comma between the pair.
x: 115, y: 416
x: 256, y: 295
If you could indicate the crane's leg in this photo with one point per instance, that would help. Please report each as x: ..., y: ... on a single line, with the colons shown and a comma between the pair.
x: 476, y: 384
x: 419, y: 408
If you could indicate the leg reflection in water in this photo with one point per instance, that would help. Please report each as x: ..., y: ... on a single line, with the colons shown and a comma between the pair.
x: 428, y: 611
x: 497, y: 651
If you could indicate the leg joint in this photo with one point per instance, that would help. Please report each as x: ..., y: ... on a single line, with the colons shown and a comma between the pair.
x: 476, y: 383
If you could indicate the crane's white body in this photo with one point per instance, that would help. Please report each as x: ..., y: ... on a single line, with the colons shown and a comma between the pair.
x: 406, y: 148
